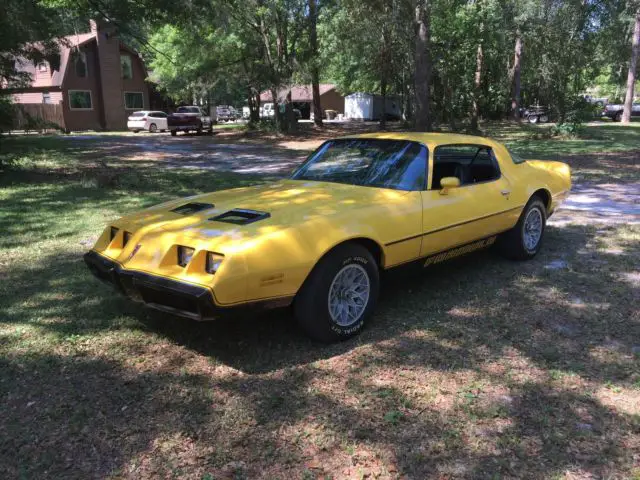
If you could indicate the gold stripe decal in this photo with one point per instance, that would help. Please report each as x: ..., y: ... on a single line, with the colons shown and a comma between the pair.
x: 456, y: 252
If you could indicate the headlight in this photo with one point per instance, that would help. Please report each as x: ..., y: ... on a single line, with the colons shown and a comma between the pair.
x: 125, y: 238
x: 214, y: 260
x: 184, y: 255
x: 113, y: 233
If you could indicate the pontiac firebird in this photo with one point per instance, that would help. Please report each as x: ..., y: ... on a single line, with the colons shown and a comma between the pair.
x: 319, y: 240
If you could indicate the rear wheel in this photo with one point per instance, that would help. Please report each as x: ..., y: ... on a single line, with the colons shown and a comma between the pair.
x: 618, y: 117
x: 544, y: 118
x: 153, y: 128
x: 339, y: 295
x: 174, y: 133
x: 523, y: 241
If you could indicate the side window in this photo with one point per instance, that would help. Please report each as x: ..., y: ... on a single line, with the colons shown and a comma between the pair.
x: 468, y: 163
x: 80, y: 63
x: 127, y: 67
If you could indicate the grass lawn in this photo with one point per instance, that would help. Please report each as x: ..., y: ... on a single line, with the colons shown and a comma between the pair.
x: 480, y: 368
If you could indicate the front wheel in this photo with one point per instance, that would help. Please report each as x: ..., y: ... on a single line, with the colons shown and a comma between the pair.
x: 523, y: 241
x: 339, y: 295
x: 544, y: 118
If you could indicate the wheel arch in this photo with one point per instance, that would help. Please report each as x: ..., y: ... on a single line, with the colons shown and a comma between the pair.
x: 371, y: 245
x: 545, y: 195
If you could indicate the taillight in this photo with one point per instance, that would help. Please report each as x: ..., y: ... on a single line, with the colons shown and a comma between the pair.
x: 144, y: 119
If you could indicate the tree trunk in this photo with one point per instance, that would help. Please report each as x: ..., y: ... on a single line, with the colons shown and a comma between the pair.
x: 515, y: 96
x: 475, y: 108
x: 315, y: 73
x: 633, y: 64
x: 290, y: 117
x: 422, y: 74
x: 383, y: 94
x: 254, y: 105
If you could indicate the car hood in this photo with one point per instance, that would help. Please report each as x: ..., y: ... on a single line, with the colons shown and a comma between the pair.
x: 279, y: 206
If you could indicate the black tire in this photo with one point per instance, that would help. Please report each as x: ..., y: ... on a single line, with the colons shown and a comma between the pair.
x: 533, y: 119
x: 544, y: 118
x: 617, y: 117
x: 135, y: 131
x: 311, y: 305
x: 174, y: 133
x: 153, y: 128
x: 511, y: 244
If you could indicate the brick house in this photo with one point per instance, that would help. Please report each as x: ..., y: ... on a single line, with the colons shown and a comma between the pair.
x: 96, y: 79
x: 302, y: 98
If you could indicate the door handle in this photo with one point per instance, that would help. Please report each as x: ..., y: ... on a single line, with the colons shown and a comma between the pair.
x: 505, y: 192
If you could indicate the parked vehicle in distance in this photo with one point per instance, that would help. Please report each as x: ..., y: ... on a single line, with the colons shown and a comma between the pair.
x: 600, y: 101
x: 225, y: 113
x: 151, y: 121
x: 614, y: 112
x: 319, y: 240
x: 190, y: 119
x: 536, y: 114
x: 246, y: 113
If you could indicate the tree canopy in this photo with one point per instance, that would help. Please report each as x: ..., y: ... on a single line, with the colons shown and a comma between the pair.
x: 459, y: 59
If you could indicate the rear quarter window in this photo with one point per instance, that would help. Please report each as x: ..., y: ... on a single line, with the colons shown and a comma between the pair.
x: 515, y: 158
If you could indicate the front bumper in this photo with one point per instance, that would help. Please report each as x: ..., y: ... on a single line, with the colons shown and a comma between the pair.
x: 171, y: 296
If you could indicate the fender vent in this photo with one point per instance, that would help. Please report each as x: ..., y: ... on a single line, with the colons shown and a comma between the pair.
x: 238, y: 216
x: 191, y: 208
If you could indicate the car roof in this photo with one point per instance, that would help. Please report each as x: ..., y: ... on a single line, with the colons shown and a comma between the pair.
x: 430, y: 139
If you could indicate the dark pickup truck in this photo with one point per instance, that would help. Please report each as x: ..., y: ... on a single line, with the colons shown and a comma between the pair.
x: 189, y: 119
x: 614, y: 112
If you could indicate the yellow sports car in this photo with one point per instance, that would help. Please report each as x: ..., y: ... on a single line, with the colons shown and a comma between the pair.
x: 319, y: 239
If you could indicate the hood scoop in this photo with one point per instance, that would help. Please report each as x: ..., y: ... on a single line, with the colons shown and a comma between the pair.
x: 239, y: 216
x: 191, y: 208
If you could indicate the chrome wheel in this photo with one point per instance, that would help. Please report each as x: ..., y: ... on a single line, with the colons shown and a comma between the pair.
x: 532, y: 229
x: 349, y: 295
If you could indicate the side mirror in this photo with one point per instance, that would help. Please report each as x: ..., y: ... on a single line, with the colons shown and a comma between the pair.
x: 448, y: 183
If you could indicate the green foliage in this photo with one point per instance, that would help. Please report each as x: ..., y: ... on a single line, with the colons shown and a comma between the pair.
x: 7, y: 112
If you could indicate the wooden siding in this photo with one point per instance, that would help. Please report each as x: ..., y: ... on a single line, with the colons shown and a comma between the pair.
x: 84, y: 119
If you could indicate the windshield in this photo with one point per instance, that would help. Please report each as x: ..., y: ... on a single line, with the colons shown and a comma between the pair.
x: 395, y: 164
x: 188, y: 110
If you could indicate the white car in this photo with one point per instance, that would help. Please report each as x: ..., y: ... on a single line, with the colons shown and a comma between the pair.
x: 151, y: 121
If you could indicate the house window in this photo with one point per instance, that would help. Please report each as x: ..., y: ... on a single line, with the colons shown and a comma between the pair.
x: 80, y: 100
x: 127, y: 67
x: 80, y: 62
x: 133, y: 100
x: 46, y: 97
x: 42, y: 67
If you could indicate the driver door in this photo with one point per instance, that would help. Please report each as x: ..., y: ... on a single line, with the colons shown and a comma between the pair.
x: 479, y: 208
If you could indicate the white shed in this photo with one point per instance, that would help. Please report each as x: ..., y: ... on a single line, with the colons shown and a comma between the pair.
x: 366, y: 106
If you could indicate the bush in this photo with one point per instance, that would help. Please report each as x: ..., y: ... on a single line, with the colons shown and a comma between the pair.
x: 579, y: 112
x: 7, y: 114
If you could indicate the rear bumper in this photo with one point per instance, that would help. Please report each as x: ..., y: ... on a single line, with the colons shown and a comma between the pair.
x: 171, y: 296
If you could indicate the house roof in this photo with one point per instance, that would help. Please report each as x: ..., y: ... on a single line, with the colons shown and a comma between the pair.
x: 66, y: 44
x: 299, y: 93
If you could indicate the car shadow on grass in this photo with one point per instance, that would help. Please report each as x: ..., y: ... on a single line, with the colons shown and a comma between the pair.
x: 522, y: 326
